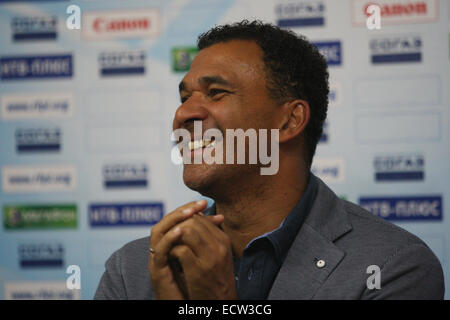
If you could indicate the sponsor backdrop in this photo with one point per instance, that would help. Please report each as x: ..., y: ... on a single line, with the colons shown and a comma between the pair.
x: 85, y: 122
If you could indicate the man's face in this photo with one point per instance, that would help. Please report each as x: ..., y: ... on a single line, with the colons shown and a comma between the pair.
x: 225, y: 88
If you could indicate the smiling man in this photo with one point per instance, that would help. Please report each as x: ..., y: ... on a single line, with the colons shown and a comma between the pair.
x: 280, y: 236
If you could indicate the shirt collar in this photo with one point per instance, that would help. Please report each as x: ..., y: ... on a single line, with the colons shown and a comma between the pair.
x: 282, y: 237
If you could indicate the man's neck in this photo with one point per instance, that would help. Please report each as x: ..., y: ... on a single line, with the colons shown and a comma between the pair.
x: 261, y: 207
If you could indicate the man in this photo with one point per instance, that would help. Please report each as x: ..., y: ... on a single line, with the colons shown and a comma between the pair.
x: 281, y: 236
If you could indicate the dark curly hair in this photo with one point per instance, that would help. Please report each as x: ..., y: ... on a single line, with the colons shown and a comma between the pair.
x: 295, y: 69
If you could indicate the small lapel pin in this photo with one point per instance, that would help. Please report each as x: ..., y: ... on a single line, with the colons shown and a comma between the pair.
x: 320, y: 263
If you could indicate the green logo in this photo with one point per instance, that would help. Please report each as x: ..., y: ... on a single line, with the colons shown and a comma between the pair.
x: 182, y: 58
x: 40, y: 217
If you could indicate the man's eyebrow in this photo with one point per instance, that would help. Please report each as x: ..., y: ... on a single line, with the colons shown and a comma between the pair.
x: 207, y: 80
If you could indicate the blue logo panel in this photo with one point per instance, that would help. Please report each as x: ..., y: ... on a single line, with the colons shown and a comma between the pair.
x: 36, y: 67
x: 300, y: 14
x: 396, y: 49
x: 399, y: 168
x: 404, y: 208
x: 133, y: 214
x: 34, y: 28
x: 125, y: 175
x: 122, y: 63
x: 41, y: 255
x: 396, y: 58
x: 332, y: 52
x: 38, y: 140
x: 399, y: 176
x: 305, y: 22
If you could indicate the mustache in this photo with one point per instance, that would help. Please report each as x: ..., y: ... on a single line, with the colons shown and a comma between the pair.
x: 189, y: 127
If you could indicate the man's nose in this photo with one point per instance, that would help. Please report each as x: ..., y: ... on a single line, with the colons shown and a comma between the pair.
x: 189, y: 111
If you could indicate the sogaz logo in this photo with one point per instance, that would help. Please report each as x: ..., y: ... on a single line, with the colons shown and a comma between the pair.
x: 122, y: 63
x: 396, y: 49
x: 34, y: 28
x: 126, y: 175
x: 404, y: 208
x: 38, y: 140
x: 407, y: 167
x: 300, y: 13
x: 41, y: 255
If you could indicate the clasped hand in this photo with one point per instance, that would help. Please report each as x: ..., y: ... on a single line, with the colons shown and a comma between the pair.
x: 192, y: 256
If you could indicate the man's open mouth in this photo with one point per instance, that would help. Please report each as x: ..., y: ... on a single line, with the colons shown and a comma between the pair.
x: 201, y: 143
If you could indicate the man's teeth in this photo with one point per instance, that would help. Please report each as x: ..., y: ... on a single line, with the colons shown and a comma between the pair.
x: 197, y: 144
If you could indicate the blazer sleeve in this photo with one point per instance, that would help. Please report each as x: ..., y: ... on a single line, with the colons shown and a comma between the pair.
x: 111, y: 286
x: 412, y: 273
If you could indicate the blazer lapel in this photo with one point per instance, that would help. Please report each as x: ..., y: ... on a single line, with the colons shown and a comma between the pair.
x: 301, y: 275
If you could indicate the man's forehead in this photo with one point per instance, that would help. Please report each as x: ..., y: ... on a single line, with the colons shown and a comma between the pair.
x: 233, y: 51
x: 228, y: 60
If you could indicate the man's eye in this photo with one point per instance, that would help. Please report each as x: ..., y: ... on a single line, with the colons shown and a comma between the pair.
x: 184, y: 99
x: 213, y: 92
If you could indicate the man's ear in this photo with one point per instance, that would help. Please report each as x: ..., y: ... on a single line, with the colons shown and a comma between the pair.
x: 296, y: 116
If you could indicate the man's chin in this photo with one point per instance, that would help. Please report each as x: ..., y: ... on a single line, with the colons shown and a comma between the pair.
x: 213, y: 181
x: 197, y: 177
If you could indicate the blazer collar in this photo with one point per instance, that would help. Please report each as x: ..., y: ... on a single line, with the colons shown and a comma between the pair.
x: 301, y: 275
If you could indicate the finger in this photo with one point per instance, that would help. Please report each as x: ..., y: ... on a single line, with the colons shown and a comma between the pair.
x: 178, y: 215
x: 211, y: 224
x: 163, y: 247
x: 216, y: 219
x: 198, y: 232
x: 208, y: 246
x: 185, y: 256
x: 195, y: 235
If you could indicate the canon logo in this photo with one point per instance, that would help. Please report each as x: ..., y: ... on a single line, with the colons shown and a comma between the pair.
x: 399, y: 9
x: 121, y: 24
x: 393, y: 12
x: 104, y: 25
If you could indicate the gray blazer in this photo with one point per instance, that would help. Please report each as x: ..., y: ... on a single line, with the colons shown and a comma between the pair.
x: 344, y: 236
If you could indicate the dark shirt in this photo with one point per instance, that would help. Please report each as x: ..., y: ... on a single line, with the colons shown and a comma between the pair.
x: 262, y: 258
